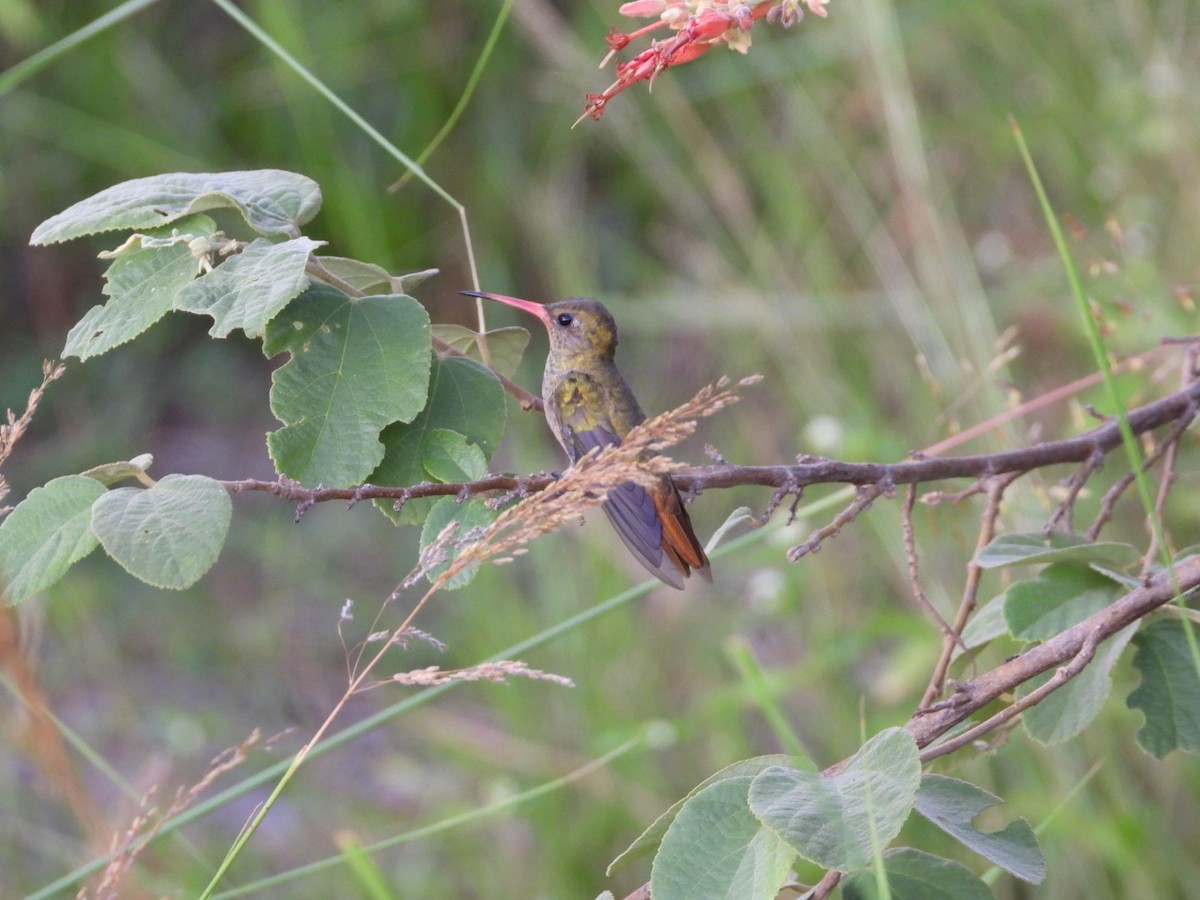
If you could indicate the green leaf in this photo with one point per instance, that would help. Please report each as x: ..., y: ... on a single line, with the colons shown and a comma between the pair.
x: 271, y: 201
x: 357, y: 366
x: 409, y: 280
x: 952, y: 804
x: 369, y: 278
x: 836, y: 821
x: 47, y: 533
x: 110, y: 473
x: 917, y: 875
x: 715, y: 848
x: 167, y: 535
x: 463, y: 397
x: 1169, y: 695
x: 249, y: 289
x: 652, y: 836
x: 735, y: 518
x: 506, y: 345
x: 986, y: 625
x: 141, y: 282
x: 1071, y: 708
x: 362, y: 276
x: 469, y: 515
x: 1028, y: 549
x: 447, y: 456
x: 1062, y: 595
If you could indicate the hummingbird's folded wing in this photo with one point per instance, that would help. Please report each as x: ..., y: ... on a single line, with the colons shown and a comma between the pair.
x: 634, y: 518
x: 630, y: 507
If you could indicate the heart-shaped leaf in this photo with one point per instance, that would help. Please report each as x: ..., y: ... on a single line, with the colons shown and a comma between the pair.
x: 141, y: 284
x: 952, y: 804
x: 716, y: 849
x: 468, y: 515
x: 249, y: 289
x: 358, y: 364
x: 464, y: 397
x: 917, y: 875
x: 271, y: 201
x: 840, y: 821
x: 1028, y: 549
x: 448, y: 456
x: 167, y: 535
x: 1169, y: 694
x: 46, y: 534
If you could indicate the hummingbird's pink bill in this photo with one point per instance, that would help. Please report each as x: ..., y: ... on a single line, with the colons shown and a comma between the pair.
x: 527, y: 305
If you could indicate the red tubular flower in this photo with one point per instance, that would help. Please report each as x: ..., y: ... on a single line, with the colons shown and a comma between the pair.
x: 700, y: 26
x: 709, y: 24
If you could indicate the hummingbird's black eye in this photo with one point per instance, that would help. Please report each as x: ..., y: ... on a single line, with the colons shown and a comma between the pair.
x: 564, y: 319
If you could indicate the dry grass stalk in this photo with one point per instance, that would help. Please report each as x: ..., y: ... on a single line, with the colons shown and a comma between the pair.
x: 497, y: 672
x: 14, y: 428
x: 147, y: 823
x: 587, y: 482
x: 581, y: 487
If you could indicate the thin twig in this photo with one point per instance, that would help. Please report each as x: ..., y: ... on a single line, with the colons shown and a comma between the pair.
x: 1113, y: 494
x: 863, y: 500
x: 825, y: 887
x: 914, y: 578
x: 987, y: 530
x: 529, y: 402
x: 777, y: 498
x: 1187, y: 375
x: 1040, y: 402
x: 1065, y: 511
x: 933, y: 498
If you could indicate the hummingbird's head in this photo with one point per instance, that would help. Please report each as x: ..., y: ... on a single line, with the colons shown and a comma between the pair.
x: 580, y: 328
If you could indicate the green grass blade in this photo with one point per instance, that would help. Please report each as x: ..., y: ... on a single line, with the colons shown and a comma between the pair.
x: 352, y: 732
x: 28, y: 67
x: 455, y: 821
x: 468, y: 91
x: 1096, y: 342
x: 757, y: 688
x: 370, y: 879
x: 1132, y: 449
x: 341, y: 105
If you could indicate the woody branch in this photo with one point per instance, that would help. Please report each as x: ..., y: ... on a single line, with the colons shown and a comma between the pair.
x: 791, y: 478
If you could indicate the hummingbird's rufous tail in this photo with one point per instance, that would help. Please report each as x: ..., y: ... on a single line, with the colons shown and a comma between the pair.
x: 679, y: 541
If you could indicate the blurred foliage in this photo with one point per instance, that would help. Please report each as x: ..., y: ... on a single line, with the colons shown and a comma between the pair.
x: 843, y: 210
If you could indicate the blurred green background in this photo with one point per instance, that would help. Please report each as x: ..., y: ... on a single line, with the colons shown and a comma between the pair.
x: 843, y: 210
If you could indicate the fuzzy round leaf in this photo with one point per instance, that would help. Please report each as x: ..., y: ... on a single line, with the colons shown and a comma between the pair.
x: 167, y: 535
x: 48, y: 532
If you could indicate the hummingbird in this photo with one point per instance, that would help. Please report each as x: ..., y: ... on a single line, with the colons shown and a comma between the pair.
x: 588, y: 404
